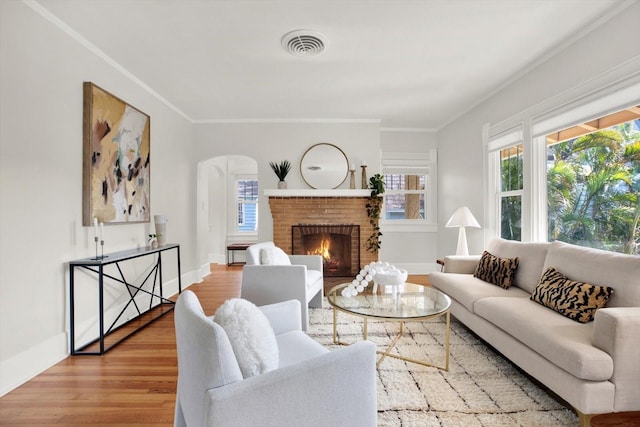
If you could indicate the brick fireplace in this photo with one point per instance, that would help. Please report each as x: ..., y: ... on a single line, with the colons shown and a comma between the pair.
x: 295, y: 210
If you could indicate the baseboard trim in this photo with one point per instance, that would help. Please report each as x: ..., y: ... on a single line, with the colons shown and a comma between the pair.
x: 24, y: 366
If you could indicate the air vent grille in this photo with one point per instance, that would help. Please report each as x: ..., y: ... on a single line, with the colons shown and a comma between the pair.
x: 304, y: 43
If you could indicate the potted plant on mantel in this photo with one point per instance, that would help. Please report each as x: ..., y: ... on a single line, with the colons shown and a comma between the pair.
x: 374, y: 207
x: 281, y: 170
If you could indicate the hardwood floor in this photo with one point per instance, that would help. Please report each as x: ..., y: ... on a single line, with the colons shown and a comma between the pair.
x: 135, y: 383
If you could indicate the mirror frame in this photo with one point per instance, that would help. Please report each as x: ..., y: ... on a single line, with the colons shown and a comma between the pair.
x: 329, y: 180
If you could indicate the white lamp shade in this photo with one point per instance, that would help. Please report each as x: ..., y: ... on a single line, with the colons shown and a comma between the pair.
x: 462, y: 217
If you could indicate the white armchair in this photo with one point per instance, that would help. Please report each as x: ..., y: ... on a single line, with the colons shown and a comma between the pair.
x: 312, y: 386
x: 268, y: 284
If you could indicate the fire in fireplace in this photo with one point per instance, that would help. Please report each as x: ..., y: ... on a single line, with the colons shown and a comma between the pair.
x: 339, y: 246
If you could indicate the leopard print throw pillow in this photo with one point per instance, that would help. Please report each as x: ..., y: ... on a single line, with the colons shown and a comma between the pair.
x: 578, y: 301
x: 499, y: 271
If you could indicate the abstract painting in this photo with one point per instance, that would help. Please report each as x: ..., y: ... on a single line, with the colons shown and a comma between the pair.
x: 116, y: 159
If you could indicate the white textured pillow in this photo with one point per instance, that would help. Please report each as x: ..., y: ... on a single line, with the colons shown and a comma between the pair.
x: 251, y: 336
x: 274, y: 256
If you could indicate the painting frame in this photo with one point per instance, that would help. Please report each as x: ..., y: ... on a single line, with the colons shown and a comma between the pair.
x: 116, y: 170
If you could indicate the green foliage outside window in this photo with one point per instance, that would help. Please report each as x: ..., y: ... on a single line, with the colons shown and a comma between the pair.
x: 593, y: 185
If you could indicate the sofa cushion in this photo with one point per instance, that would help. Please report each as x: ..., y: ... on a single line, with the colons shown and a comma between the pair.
x: 467, y: 289
x: 565, y: 343
x: 531, y: 259
x: 616, y: 270
x: 250, y: 334
x: 499, y: 271
x: 274, y: 256
x: 576, y: 300
x: 252, y: 253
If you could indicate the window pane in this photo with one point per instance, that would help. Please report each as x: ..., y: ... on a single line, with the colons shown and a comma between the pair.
x: 511, y: 168
x: 247, y: 196
x: 405, y: 196
x: 510, y: 217
x: 593, y: 189
x: 404, y: 206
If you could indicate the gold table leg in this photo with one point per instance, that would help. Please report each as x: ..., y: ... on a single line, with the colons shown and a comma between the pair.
x: 387, y: 351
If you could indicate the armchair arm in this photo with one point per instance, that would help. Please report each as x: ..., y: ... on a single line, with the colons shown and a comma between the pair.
x: 313, y: 262
x: 465, y: 264
x: 616, y: 330
x: 283, y: 316
x: 284, y: 282
x: 337, y: 388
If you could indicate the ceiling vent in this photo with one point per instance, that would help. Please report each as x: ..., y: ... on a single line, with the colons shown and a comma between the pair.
x: 304, y: 43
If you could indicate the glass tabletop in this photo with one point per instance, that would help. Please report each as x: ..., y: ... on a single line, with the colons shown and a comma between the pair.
x: 406, y: 301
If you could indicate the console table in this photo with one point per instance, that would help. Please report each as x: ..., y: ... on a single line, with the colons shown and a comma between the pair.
x: 144, y: 316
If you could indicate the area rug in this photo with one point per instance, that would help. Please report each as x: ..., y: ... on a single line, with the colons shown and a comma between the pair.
x: 481, y: 388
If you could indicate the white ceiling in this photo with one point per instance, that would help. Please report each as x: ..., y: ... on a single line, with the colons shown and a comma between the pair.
x: 409, y: 64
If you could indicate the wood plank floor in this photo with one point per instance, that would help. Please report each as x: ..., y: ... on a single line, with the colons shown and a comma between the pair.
x: 135, y: 383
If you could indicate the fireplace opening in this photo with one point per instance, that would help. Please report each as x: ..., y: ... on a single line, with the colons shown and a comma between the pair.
x: 339, y: 246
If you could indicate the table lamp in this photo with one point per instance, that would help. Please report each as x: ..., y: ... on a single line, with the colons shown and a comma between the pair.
x: 462, y: 218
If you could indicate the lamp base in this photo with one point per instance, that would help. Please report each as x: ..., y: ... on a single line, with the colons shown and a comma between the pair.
x: 462, y: 248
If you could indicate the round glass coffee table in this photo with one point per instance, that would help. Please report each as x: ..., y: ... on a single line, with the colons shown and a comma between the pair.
x: 404, y: 303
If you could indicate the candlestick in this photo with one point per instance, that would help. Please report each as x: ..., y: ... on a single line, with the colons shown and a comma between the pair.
x: 101, y: 230
x: 352, y: 181
x: 101, y: 249
x: 364, y: 176
x: 96, y: 240
x: 95, y: 226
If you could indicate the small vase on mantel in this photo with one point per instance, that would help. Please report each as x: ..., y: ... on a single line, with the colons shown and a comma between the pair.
x: 282, y: 185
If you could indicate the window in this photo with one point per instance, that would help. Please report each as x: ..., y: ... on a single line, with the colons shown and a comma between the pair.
x: 405, y: 196
x: 506, y: 160
x: 511, y: 190
x: 247, y: 205
x: 409, y: 201
x: 593, y: 183
x: 561, y: 177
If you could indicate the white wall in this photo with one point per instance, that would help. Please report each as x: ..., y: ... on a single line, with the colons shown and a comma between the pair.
x: 41, y: 73
x: 267, y: 142
x: 601, y: 57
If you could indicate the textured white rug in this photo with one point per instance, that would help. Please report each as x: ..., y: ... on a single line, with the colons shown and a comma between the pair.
x: 481, y: 388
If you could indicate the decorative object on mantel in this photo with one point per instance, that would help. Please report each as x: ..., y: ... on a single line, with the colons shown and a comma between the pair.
x: 374, y: 205
x: 324, y: 166
x: 116, y: 159
x: 364, y: 175
x: 161, y: 228
x: 462, y: 218
x: 281, y: 170
x: 352, y: 180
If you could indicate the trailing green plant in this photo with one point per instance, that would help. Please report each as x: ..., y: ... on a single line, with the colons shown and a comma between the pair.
x: 374, y: 208
x: 281, y: 170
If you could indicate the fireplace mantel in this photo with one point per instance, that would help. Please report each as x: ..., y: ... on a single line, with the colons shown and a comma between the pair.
x: 310, y: 192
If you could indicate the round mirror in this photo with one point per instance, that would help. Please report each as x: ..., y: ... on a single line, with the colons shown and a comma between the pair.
x: 324, y: 166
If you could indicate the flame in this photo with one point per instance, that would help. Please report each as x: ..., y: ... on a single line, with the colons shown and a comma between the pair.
x: 322, y: 250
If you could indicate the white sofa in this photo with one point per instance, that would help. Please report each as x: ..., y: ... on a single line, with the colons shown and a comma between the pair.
x: 594, y: 366
x: 312, y: 386
x: 267, y: 284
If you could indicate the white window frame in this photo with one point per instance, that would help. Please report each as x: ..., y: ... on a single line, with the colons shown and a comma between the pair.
x: 534, y: 125
x: 413, y: 164
x: 236, y: 202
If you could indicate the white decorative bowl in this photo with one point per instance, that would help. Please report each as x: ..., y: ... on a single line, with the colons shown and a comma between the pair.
x: 390, y: 277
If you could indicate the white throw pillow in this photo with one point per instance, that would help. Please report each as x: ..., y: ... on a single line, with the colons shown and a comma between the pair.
x: 274, y: 256
x: 251, y: 336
